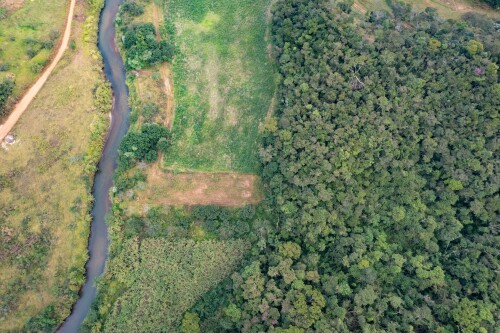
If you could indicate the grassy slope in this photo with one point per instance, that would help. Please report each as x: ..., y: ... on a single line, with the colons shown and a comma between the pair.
x: 44, y: 197
x: 35, y: 20
x: 223, y: 85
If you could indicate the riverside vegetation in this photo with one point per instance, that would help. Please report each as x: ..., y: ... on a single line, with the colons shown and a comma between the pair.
x: 45, y: 184
x: 204, y: 243
x: 380, y: 167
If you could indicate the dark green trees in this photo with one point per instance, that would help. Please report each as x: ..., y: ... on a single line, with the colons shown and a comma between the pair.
x: 142, y: 47
x: 143, y: 145
x: 383, y: 169
x: 6, y: 88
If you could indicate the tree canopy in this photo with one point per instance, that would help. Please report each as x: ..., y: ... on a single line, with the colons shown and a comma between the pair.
x: 383, y: 167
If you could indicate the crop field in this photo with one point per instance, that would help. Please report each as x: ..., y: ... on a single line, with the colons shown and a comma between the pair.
x: 29, y: 31
x: 151, y: 284
x: 45, y: 179
x: 222, y: 84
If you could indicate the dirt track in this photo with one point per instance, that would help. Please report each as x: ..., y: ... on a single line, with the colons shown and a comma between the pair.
x: 23, y: 104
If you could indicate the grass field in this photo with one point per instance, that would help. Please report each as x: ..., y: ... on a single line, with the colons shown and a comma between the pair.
x: 223, y: 83
x: 27, y: 37
x: 45, y: 180
x: 152, y: 100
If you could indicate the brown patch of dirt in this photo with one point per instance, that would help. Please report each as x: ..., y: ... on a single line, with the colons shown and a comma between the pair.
x: 11, y: 5
x: 359, y: 8
x: 156, y: 20
x: 197, y: 188
x: 166, y: 75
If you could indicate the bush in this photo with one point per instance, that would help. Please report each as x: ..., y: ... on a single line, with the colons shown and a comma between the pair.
x: 142, y: 48
x: 6, y: 88
x: 103, y: 96
x: 143, y: 145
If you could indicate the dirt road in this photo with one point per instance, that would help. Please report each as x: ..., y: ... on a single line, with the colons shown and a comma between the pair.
x: 23, y: 104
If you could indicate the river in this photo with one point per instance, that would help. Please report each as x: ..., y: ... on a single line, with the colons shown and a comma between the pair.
x: 98, y: 241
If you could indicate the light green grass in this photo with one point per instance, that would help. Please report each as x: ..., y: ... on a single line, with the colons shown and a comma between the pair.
x: 223, y: 83
x: 36, y: 20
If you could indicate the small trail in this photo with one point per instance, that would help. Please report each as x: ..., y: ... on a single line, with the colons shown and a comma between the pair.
x: 23, y: 104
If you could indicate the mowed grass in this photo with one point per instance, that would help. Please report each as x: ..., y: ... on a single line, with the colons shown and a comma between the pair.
x: 44, y: 196
x: 36, y: 22
x: 223, y: 81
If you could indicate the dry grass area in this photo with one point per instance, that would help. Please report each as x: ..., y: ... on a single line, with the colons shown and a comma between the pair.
x: 28, y: 35
x: 44, y: 198
x: 453, y: 9
x: 191, y: 189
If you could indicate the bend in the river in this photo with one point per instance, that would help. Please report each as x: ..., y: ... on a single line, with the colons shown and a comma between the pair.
x: 98, y: 241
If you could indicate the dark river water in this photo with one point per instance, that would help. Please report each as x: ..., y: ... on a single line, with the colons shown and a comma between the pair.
x: 98, y: 241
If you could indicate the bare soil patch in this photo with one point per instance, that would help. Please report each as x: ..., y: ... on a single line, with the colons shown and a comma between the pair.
x: 196, y: 188
x: 11, y: 5
x: 166, y: 75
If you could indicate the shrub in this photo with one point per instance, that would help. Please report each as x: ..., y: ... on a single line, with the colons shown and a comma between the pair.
x: 6, y: 88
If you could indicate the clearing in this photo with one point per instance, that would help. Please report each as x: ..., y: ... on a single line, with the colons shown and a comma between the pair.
x: 223, y: 86
x: 190, y: 189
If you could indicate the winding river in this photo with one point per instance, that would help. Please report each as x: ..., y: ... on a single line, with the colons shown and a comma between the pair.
x: 98, y: 241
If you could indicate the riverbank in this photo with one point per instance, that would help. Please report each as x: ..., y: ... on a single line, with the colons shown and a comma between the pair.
x: 45, y: 193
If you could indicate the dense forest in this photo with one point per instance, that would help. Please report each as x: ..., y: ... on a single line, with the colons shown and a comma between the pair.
x: 381, y: 166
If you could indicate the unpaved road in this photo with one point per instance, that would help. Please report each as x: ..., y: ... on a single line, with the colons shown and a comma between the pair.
x: 23, y: 104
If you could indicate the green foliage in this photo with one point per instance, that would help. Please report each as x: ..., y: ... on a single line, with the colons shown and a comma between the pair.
x: 142, y: 48
x: 381, y: 165
x: 142, y: 145
x: 46, y: 321
x: 131, y: 8
x: 103, y: 96
x: 190, y: 323
x: 162, y: 279
x: 493, y: 3
x: 6, y: 88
